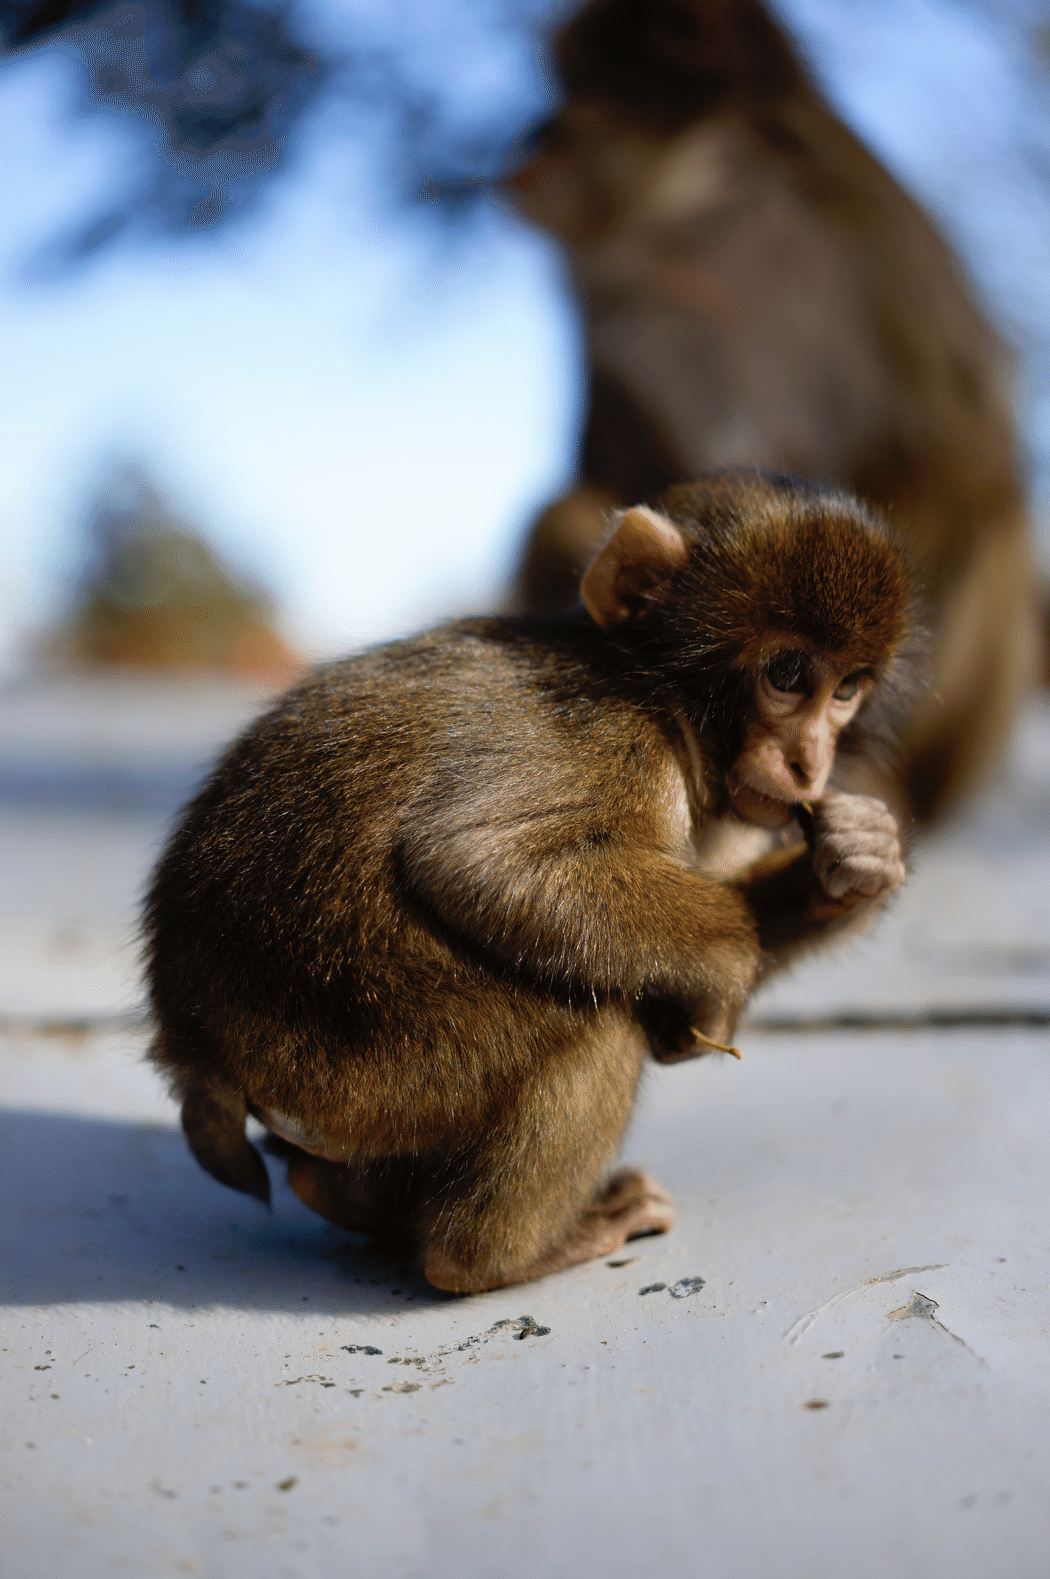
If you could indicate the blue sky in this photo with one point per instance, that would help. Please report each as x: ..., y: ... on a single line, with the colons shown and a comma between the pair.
x: 366, y: 419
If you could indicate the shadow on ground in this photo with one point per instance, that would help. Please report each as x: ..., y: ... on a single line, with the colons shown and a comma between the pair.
x: 104, y: 1210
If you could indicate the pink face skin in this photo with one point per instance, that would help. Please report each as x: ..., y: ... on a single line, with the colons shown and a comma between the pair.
x: 802, y: 705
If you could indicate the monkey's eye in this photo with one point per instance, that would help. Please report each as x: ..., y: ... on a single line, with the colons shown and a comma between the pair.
x: 787, y: 672
x: 848, y: 688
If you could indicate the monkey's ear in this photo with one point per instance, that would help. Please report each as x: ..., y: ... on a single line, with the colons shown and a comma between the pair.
x: 639, y: 559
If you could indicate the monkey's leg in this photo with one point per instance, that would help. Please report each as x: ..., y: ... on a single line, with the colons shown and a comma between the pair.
x: 560, y: 547
x: 364, y: 1197
x: 531, y: 1197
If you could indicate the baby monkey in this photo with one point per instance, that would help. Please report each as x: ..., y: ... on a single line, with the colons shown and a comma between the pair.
x: 430, y: 915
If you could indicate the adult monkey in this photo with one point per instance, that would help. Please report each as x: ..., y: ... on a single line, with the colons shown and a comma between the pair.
x: 757, y: 289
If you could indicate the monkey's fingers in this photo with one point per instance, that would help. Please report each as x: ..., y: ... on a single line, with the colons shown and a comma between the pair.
x: 860, y: 841
x: 884, y: 840
x: 833, y: 859
x: 840, y: 813
x: 867, y: 857
x: 863, y: 874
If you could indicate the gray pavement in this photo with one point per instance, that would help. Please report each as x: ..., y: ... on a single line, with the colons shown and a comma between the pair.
x: 860, y: 1384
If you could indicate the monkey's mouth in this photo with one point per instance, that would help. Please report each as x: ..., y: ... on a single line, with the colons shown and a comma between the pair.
x: 755, y: 806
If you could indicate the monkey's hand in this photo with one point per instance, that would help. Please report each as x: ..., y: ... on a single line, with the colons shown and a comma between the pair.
x: 852, y: 862
x: 857, y: 847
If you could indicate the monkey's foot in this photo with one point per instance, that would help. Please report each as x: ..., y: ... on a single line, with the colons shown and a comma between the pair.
x: 630, y: 1206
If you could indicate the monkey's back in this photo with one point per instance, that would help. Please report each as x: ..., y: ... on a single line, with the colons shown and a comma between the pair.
x: 298, y: 937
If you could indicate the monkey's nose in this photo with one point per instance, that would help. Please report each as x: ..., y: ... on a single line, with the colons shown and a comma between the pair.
x: 809, y: 769
x: 808, y: 755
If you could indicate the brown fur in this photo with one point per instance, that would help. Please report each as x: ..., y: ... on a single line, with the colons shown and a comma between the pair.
x: 432, y: 910
x: 757, y: 289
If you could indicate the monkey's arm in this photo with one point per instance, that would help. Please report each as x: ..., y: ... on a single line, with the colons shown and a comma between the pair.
x: 567, y: 901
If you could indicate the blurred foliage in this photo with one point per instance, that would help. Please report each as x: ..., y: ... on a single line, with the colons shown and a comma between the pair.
x: 224, y: 82
x: 230, y: 86
x: 438, y: 92
x: 153, y: 594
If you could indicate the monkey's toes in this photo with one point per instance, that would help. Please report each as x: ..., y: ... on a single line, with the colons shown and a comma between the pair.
x: 632, y: 1205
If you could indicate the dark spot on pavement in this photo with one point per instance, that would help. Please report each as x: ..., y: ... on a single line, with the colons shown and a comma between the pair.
x: 526, y: 1325
x: 686, y: 1286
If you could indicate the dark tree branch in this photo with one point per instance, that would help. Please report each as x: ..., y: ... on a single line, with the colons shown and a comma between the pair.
x: 230, y: 85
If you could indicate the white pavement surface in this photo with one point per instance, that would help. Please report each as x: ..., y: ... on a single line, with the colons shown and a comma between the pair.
x: 861, y: 1385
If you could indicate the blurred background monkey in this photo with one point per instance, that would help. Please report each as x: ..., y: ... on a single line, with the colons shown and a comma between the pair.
x: 431, y: 913
x: 756, y: 288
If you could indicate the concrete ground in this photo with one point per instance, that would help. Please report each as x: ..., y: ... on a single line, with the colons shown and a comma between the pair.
x: 837, y: 1364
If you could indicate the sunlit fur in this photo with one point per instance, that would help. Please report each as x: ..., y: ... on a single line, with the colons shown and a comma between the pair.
x: 435, y: 909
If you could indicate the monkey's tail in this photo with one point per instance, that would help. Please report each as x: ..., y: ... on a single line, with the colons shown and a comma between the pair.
x: 213, y: 1121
